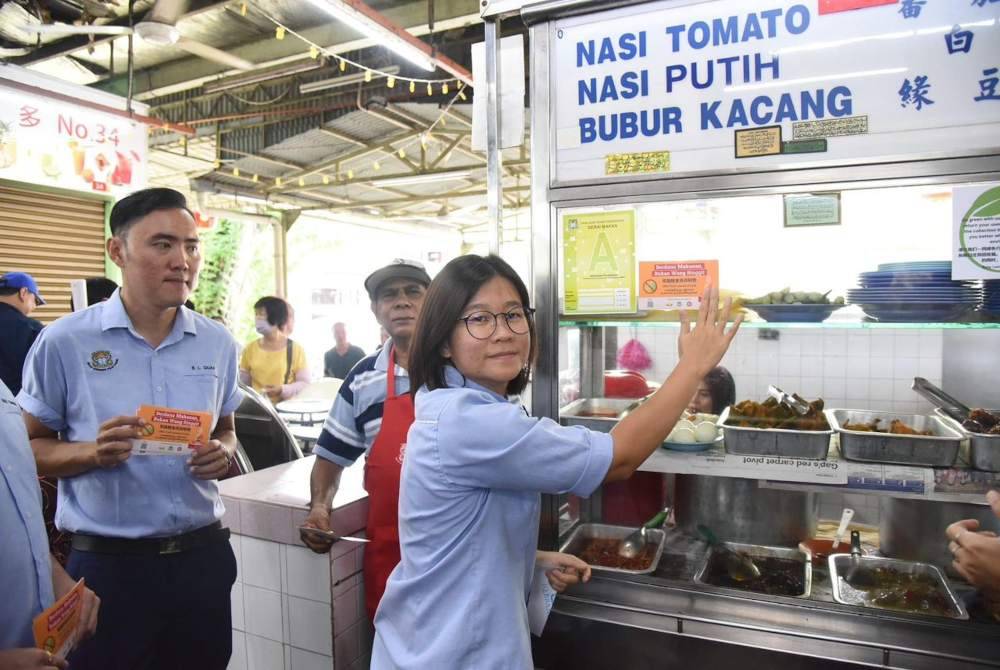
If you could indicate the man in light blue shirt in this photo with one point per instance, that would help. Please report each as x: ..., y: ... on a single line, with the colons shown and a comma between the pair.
x: 30, y: 580
x: 147, y: 535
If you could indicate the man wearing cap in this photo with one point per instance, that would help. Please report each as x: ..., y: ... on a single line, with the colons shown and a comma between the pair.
x: 146, y: 529
x: 371, y: 415
x: 18, y: 298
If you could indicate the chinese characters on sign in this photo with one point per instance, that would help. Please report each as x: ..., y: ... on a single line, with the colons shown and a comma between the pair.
x: 910, y: 9
x: 915, y: 93
x: 959, y: 41
x: 988, y: 85
x: 49, y: 142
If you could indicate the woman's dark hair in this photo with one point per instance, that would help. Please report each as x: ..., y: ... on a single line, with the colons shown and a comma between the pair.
x: 446, y: 299
x: 99, y: 289
x: 275, y: 308
x: 721, y: 387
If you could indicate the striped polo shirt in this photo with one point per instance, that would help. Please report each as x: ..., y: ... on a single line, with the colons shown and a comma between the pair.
x: 356, y: 416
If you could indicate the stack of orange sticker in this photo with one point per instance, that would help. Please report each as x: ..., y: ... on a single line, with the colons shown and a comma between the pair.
x: 169, y: 432
x: 675, y: 284
x: 56, y: 628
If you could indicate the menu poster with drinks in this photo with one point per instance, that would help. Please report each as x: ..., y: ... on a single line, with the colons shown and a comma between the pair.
x: 675, y: 284
x: 599, y: 262
x: 56, y: 628
x: 50, y: 142
x: 976, y: 230
x: 170, y: 432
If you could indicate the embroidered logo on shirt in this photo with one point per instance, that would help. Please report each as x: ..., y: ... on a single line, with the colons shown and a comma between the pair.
x: 402, y: 452
x: 101, y: 361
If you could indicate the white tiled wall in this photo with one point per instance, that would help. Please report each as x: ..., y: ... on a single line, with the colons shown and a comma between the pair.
x: 284, y: 608
x: 856, y: 369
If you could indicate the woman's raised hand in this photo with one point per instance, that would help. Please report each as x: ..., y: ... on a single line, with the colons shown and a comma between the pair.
x: 704, y: 345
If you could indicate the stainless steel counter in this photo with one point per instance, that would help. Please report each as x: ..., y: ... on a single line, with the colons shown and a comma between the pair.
x: 666, y: 609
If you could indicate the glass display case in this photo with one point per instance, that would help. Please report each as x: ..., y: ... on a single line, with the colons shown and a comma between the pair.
x: 841, y: 265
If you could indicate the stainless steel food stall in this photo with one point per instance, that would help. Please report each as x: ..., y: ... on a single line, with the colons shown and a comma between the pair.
x: 831, y: 103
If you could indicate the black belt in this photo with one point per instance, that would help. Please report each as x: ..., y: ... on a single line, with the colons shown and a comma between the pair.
x: 174, y: 544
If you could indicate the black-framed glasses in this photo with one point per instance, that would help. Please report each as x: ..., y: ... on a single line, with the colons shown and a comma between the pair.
x: 482, y: 324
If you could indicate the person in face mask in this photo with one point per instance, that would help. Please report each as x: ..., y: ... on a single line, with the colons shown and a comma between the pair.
x: 274, y: 365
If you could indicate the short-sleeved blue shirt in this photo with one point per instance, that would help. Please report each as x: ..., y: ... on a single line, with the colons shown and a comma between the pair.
x: 26, y: 577
x: 91, y: 366
x: 469, y: 505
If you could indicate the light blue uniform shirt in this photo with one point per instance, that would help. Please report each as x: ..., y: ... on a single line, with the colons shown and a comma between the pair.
x: 26, y: 574
x: 469, y: 507
x: 91, y: 366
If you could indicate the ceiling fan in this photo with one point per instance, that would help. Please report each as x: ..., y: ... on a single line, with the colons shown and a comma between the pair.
x: 157, y: 27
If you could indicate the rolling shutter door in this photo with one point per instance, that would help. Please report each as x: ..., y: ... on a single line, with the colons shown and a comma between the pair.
x: 54, y: 238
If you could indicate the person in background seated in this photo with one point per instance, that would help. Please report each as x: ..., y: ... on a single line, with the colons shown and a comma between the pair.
x: 977, y: 553
x: 338, y: 361
x: 274, y: 365
x: 716, y: 392
x: 19, y: 297
x: 30, y: 580
x: 99, y: 289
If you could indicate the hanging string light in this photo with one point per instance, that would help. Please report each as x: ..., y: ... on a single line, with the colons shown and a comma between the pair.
x: 376, y: 166
x: 444, y: 88
x: 236, y: 172
x: 326, y: 179
x: 282, y: 30
x: 255, y: 179
x: 277, y: 182
x: 302, y: 182
x: 391, y: 82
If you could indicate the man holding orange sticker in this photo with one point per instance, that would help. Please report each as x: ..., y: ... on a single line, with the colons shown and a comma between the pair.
x: 146, y: 527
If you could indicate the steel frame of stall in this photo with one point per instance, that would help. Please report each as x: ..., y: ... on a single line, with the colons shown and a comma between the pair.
x: 805, y: 634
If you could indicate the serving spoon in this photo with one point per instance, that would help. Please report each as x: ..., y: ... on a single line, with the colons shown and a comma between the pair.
x: 633, y: 545
x: 739, y: 565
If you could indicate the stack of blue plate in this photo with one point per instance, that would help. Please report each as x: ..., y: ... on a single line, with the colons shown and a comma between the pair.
x: 991, y: 296
x: 914, y: 292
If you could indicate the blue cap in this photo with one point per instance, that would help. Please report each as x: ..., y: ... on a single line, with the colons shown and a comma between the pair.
x: 21, y: 280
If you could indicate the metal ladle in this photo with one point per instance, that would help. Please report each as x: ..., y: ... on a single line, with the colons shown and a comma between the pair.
x: 739, y: 565
x: 633, y: 545
x: 858, y: 577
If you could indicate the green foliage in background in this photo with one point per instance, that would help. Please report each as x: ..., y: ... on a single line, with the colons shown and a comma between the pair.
x: 220, y: 249
x: 230, y: 282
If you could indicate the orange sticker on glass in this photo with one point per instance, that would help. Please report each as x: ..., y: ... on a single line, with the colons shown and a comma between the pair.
x: 168, y: 431
x: 675, y: 284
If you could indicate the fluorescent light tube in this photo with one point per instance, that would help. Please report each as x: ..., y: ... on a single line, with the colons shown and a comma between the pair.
x: 343, y: 80
x: 263, y: 75
x: 347, y: 12
x: 422, y: 178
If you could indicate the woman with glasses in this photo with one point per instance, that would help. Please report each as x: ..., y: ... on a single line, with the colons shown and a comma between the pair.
x: 476, y: 463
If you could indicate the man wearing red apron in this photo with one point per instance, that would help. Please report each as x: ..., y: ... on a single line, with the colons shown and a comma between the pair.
x: 374, y: 394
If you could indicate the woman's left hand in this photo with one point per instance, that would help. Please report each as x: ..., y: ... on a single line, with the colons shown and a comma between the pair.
x: 562, y: 570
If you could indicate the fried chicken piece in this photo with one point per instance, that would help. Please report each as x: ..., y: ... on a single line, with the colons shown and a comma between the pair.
x: 984, y: 418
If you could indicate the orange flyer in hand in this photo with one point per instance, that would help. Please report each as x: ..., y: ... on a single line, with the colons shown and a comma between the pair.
x: 170, y: 431
x: 56, y: 628
x: 675, y: 284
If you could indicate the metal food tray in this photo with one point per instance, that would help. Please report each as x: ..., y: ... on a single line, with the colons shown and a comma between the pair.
x: 984, y: 450
x: 602, y: 531
x: 760, y: 551
x: 811, y: 444
x: 937, y: 450
x: 845, y: 594
x: 570, y: 414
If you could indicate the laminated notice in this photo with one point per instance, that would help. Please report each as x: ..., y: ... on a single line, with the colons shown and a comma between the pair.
x: 169, y: 432
x: 56, y: 628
